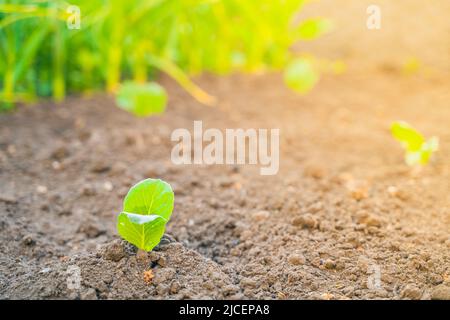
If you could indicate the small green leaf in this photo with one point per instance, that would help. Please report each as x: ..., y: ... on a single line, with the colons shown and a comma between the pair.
x: 427, y: 150
x: 145, y: 232
x: 142, y: 99
x: 146, y: 209
x: 312, y: 28
x: 301, y: 76
x: 409, y: 137
x: 417, y: 150
x: 150, y: 196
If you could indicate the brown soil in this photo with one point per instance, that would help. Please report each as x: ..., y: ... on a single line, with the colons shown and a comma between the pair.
x: 343, y: 206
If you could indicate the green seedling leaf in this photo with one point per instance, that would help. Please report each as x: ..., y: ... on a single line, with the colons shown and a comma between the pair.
x: 145, y: 232
x: 301, y: 76
x: 142, y: 100
x: 150, y: 196
x: 146, y: 209
x: 418, y: 151
x: 409, y: 137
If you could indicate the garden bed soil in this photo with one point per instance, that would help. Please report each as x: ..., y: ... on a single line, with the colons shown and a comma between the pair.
x: 342, y: 209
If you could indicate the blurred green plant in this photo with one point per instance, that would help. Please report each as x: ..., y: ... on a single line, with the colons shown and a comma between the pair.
x: 146, y: 209
x: 418, y: 151
x: 142, y: 99
x: 133, y: 40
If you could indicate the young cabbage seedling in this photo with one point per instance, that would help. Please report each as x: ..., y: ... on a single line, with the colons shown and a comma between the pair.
x: 146, y: 209
x: 418, y: 151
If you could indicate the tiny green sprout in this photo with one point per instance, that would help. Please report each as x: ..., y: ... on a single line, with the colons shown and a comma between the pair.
x: 142, y: 99
x: 418, y: 151
x: 146, y: 209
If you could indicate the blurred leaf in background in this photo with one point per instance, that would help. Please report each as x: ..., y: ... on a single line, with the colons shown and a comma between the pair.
x: 301, y: 75
x: 418, y: 151
x: 40, y: 56
x: 142, y: 99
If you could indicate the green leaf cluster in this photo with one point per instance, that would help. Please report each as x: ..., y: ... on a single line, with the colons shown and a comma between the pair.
x: 134, y: 40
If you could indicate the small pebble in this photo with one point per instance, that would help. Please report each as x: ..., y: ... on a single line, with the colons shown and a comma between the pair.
x: 114, y: 251
x: 154, y: 256
x: 45, y: 270
x: 41, y: 189
x: 28, y: 240
x: 358, y: 190
x: 436, y: 279
x: 305, y: 221
x: 164, y: 275
x: 89, y: 294
x: 315, y: 172
x: 248, y: 283
x: 162, y: 261
x: 56, y: 165
x: 142, y: 256
x: 225, y: 182
x: 316, y: 207
x: 60, y: 153
x: 100, y: 167
x: 90, y: 230
x: 7, y: 199
x: 162, y: 289
x: 395, y: 192
x: 64, y: 211
x: 329, y: 264
x: 165, y: 240
x: 88, y: 190
x: 369, y: 220
x: 296, y: 259
x: 108, y: 186
x: 392, y: 190
x: 175, y: 287
x: 260, y: 215
x: 11, y: 149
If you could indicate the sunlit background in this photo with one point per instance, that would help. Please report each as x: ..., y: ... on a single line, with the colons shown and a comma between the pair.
x: 53, y: 48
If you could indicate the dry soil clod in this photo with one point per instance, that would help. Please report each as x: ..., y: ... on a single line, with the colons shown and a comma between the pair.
x: 441, y: 292
x: 305, y: 221
x: 114, y: 251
